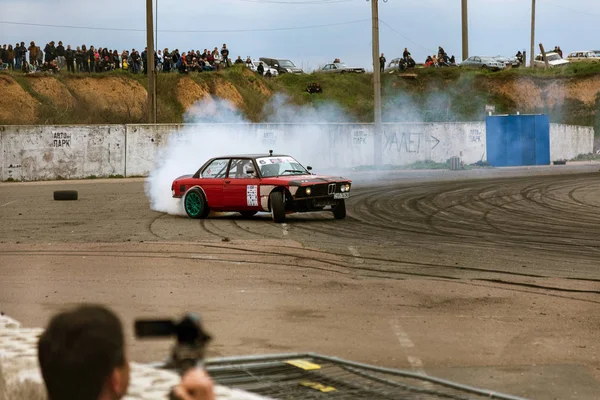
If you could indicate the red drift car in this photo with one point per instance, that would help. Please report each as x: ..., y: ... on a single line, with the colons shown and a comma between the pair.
x: 251, y: 183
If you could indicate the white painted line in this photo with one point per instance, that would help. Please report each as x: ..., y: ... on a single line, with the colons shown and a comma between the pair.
x: 356, y: 254
x: 401, y: 335
x: 415, y: 362
x: 10, y: 202
x: 285, y: 229
x: 353, y: 251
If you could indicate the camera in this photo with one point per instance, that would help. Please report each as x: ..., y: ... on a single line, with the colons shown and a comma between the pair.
x: 191, y: 339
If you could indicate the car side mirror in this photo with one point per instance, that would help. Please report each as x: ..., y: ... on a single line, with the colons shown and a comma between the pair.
x: 309, y: 168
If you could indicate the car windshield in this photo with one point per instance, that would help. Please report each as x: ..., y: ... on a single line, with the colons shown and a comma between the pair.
x: 280, y: 166
x: 553, y: 57
x: 286, y: 63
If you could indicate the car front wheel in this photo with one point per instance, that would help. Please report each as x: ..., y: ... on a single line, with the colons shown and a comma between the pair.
x: 277, y: 207
x: 195, y: 204
x: 339, y: 210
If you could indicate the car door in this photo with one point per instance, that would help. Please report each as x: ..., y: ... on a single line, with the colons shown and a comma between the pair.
x: 241, y: 186
x: 213, y: 177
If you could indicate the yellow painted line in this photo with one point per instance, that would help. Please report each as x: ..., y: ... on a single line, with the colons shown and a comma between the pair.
x: 303, y: 364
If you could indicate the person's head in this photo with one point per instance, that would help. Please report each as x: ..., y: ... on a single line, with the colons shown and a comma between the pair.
x: 32, y: 43
x: 60, y: 43
x: 23, y: 43
x: 78, y: 48
x: 69, y: 47
x: 224, y: 46
x: 82, y: 355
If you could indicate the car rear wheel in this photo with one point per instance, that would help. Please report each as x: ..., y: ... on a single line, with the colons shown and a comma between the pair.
x: 195, y: 204
x: 248, y: 214
x: 277, y: 206
x: 339, y: 210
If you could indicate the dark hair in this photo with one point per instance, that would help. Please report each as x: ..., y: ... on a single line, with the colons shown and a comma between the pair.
x: 78, y: 351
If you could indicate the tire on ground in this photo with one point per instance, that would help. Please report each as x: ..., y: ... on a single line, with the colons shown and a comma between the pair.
x: 66, y: 195
x: 339, y: 210
x: 195, y: 204
x: 277, y: 206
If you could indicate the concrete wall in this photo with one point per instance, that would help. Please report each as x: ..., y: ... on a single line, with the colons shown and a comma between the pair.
x: 49, y: 152
x: 568, y: 141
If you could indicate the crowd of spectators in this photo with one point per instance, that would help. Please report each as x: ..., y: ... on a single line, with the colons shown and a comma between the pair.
x: 54, y: 58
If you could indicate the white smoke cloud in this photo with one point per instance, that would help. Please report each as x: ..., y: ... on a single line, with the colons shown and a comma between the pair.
x: 218, y: 128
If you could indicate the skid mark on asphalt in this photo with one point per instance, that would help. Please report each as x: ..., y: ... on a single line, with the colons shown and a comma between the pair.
x: 10, y: 202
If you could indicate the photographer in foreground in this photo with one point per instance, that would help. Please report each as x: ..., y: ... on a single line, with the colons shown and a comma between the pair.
x: 82, y: 356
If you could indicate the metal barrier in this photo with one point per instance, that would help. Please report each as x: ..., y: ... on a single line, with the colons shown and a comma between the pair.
x: 315, y: 376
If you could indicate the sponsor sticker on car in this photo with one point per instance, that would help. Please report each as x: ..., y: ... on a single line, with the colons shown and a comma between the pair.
x: 252, y: 195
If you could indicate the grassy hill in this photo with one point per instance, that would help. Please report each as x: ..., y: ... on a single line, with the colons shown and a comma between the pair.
x: 569, y: 95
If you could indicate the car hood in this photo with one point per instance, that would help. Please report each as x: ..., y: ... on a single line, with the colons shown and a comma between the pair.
x: 304, y: 180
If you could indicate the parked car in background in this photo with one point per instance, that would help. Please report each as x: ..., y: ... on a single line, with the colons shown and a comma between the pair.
x: 340, y: 68
x: 554, y: 60
x: 509, y: 62
x: 583, y: 56
x: 282, y: 65
x: 483, y: 62
x: 254, y: 65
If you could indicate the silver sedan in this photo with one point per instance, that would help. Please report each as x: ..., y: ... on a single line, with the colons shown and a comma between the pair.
x: 340, y: 68
x: 483, y: 62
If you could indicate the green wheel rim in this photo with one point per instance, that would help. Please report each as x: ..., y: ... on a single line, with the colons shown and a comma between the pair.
x: 193, y: 203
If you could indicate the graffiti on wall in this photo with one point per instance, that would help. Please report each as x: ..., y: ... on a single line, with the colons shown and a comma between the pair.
x: 475, y: 136
x: 359, y: 137
x: 61, y: 139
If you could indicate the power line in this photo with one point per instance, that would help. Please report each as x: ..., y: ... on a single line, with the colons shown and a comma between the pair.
x: 407, y: 38
x: 186, y: 31
x: 572, y: 9
x: 319, y: 2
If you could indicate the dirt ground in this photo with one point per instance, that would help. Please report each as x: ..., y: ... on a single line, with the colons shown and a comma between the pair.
x: 492, y: 282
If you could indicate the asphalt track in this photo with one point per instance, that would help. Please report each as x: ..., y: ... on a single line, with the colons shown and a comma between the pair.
x: 493, y: 282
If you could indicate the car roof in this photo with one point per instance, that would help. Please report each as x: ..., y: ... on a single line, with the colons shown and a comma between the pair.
x: 250, y: 156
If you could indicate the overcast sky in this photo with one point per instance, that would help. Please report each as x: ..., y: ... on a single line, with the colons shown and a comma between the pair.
x: 495, y: 26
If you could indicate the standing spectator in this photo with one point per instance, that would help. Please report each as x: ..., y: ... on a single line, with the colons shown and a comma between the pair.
x: 92, y: 56
x: 217, y: 58
x: 382, y: 61
x: 17, y: 56
x: 145, y: 60
x: 32, y: 53
x: 50, y: 52
x: 166, y: 60
x: 260, y: 69
x: 4, y: 55
x: 10, y: 57
x: 225, y: 55
x: 39, y: 57
x: 441, y: 52
x: 60, y: 55
x: 405, y: 54
x: 23, y: 52
x: 86, y: 57
x: 116, y: 61
x: 559, y: 51
x: 70, y: 58
x: 79, y: 59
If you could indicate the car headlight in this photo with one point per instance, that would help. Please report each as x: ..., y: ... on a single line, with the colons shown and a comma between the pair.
x: 345, y: 188
x: 288, y: 70
x: 308, y: 191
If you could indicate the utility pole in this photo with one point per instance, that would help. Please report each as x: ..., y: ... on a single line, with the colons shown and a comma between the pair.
x: 531, y: 48
x: 465, y: 30
x: 150, y: 58
x: 376, y: 83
